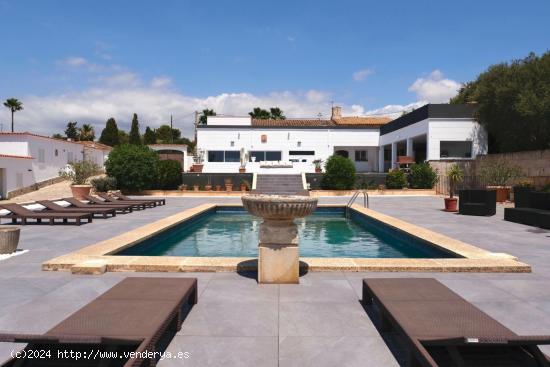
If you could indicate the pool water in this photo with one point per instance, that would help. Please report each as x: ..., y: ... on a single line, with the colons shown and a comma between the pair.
x: 326, y: 233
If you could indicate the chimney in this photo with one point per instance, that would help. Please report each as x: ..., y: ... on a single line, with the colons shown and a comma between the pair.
x: 336, y: 113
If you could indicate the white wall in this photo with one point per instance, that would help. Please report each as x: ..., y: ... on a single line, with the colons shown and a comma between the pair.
x: 456, y: 130
x: 322, y: 141
x: 14, y: 147
x: 228, y: 121
x: 11, y: 171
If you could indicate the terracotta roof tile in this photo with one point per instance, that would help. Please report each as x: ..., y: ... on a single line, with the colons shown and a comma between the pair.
x: 292, y: 122
x: 357, y: 120
x: 15, y: 156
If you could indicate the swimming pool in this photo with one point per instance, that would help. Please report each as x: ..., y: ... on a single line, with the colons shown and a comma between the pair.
x: 232, y: 232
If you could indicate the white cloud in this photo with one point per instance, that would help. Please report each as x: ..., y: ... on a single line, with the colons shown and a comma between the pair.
x: 362, y: 74
x: 290, y: 39
x: 435, y: 88
x: 122, y: 79
x: 161, y: 82
x: 74, y: 61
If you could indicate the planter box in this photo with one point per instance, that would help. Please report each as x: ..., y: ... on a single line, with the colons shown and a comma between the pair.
x: 9, y: 239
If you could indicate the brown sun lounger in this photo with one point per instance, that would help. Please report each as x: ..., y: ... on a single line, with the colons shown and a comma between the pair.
x: 20, y: 212
x: 126, y: 198
x: 98, y: 201
x: 103, y: 212
x: 136, y: 315
x: 121, y: 208
x: 440, y: 328
x: 111, y: 199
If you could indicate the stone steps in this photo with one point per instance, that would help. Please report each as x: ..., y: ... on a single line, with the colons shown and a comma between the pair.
x: 280, y: 185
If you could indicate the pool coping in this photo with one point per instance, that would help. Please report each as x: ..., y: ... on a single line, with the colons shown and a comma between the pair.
x: 98, y: 258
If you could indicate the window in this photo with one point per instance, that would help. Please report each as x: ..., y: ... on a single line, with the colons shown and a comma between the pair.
x: 272, y: 156
x: 301, y: 152
x: 361, y: 156
x: 455, y: 149
x: 215, y: 156
x: 70, y: 157
x: 41, y: 155
x: 265, y: 156
x: 56, y: 153
x: 232, y: 156
x: 224, y: 156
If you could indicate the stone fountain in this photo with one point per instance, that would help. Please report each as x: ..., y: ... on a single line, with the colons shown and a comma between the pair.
x: 278, y: 252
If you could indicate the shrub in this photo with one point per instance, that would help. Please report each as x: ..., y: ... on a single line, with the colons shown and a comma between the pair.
x: 339, y: 174
x: 133, y: 166
x: 396, y: 179
x: 498, y: 172
x: 455, y: 175
x: 422, y: 176
x: 103, y: 184
x: 79, y: 172
x: 168, y: 175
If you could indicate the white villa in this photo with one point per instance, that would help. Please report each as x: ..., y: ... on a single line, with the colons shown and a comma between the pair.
x: 29, y: 160
x: 433, y: 132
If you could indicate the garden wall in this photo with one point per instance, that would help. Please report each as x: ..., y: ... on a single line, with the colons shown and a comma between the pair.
x: 214, y: 179
x: 363, y: 180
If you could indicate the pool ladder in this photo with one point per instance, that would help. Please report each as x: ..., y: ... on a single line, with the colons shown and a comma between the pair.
x: 354, y: 197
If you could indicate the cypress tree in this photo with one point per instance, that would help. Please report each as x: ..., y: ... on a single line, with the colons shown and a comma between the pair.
x: 149, y: 137
x: 109, y: 135
x: 135, y: 138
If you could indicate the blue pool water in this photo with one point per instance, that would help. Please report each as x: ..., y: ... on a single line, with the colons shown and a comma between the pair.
x: 327, y: 233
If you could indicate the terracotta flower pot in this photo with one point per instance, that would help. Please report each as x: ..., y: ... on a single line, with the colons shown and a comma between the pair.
x: 242, y: 170
x: 318, y: 170
x: 503, y: 193
x: 243, y: 187
x: 195, y: 187
x: 198, y: 168
x: 228, y: 187
x: 80, y: 191
x: 218, y: 187
x: 207, y: 187
x: 183, y: 187
x: 450, y: 204
x: 9, y: 239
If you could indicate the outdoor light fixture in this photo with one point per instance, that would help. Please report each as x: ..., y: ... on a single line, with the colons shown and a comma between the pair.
x: 299, y: 143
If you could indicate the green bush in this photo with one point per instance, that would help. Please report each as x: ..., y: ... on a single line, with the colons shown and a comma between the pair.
x: 168, y: 175
x: 103, y: 184
x: 79, y: 172
x: 422, y: 176
x: 396, y: 179
x: 133, y: 166
x: 339, y: 174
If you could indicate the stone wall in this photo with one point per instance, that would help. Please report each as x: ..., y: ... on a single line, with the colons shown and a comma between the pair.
x: 34, y: 187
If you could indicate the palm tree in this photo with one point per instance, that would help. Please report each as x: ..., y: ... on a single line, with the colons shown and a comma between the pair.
x: 14, y: 105
x: 260, y: 113
x: 87, y: 132
x: 277, y: 113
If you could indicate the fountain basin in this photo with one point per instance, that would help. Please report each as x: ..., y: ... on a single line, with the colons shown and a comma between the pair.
x: 279, y: 207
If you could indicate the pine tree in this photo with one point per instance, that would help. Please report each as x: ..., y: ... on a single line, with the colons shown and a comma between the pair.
x: 135, y: 137
x: 109, y: 135
x: 71, y: 132
x: 149, y: 137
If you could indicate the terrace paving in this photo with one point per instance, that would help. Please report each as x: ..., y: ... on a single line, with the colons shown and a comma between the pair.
x: 319, y: 322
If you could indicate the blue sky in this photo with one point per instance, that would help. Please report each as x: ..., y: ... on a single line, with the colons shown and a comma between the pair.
x: 87, y: 61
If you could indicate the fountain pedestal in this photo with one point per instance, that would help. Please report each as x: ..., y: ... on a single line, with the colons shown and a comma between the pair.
x: 278, y: 251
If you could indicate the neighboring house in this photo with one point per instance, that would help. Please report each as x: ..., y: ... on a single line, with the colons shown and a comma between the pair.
x: 28, y: 161
x: 174, y: 152
x: 432, y: 132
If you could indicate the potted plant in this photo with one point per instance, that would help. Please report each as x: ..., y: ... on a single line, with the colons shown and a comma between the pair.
x: 196, y: 187
x: 228, y: 184
x: 218, y: 187
x: 9, y: 239
x: 79, y: 173
x: 496, y: 175
x: 245, y: 185
x: 318, y: 165
x: 244, y: 160
x: 198, y: 161
x: 208, y: 186
x: 182, y: 187
x: 455, y: 175
x: 521, y: 193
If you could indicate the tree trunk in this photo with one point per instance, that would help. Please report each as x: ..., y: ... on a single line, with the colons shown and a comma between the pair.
x: 12, y: 120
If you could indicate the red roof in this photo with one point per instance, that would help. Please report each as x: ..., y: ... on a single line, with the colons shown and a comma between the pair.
x: 15, y: 156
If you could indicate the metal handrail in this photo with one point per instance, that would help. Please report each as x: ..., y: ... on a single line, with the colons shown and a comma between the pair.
x: 354, y: 197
